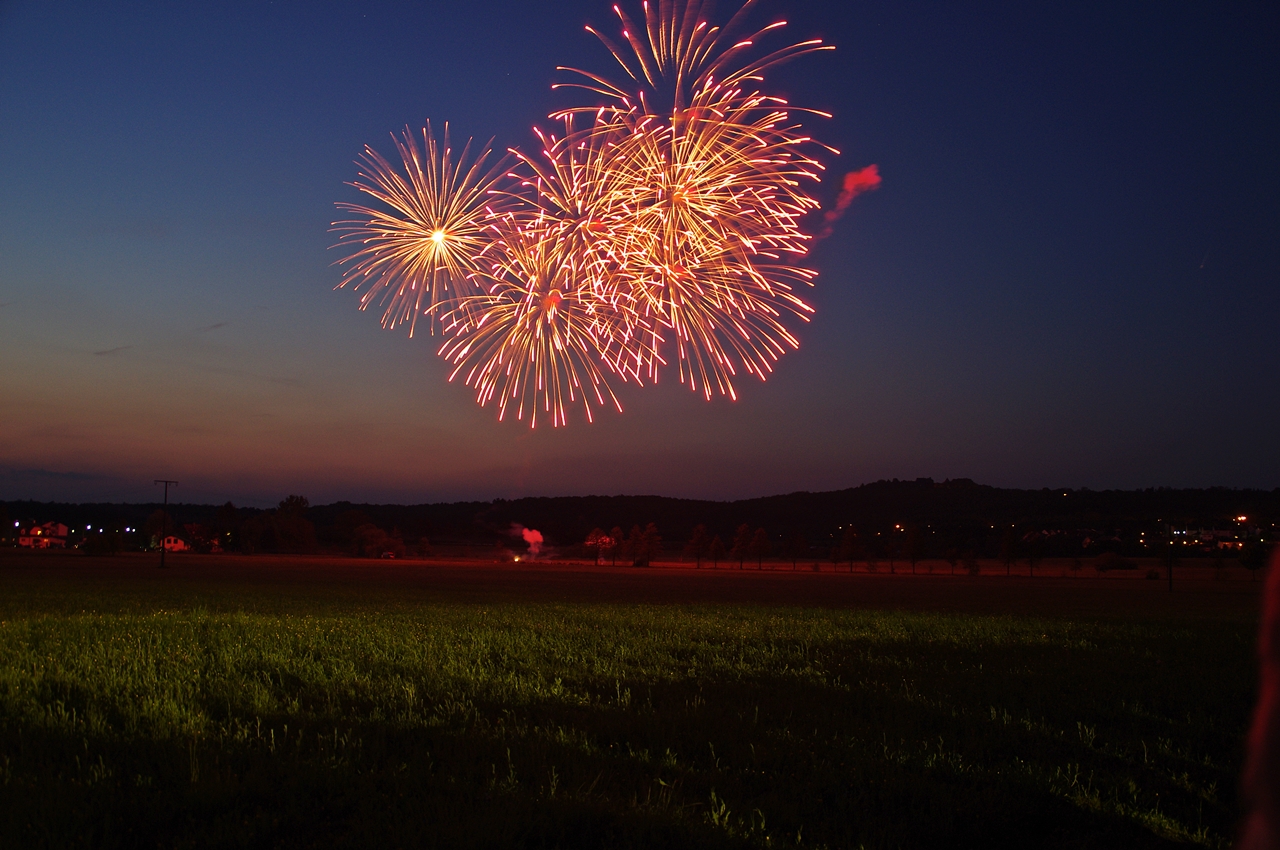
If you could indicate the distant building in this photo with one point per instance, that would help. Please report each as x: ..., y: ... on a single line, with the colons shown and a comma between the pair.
x: 175, y: 544
x: 50, y: 535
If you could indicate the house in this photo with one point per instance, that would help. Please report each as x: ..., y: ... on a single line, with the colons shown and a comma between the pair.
x: 175, y: 544
x: 50, y: 535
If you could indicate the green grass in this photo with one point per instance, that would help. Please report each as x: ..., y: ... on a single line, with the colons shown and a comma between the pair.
x: 327, y: 722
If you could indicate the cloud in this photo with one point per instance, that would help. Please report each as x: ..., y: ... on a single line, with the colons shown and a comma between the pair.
x: 257, y: 376
x: 855, y: 183
x: 106, y: 352
x: 18, y: 473
x: 212, y: 327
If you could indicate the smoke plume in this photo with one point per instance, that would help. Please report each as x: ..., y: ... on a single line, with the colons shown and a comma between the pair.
x: 855, y: 183
x: 531, y: 536
x: 534, y: 539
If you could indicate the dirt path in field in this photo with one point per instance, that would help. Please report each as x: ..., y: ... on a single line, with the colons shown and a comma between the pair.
x: 1054, y: 591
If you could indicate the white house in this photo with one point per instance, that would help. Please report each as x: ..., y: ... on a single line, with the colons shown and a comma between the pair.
x: 50, y: 535
x: 175, y: 544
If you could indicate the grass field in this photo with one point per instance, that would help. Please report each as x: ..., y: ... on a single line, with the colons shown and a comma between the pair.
x: 327, y: 705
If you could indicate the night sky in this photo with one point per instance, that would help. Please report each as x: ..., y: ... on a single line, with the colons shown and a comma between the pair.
x: 1068, y: 277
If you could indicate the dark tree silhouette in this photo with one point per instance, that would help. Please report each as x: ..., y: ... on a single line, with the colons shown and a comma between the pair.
x: 294, y: 532
x: 616, y: 536
x: 796, y: 546
x: 596, y: 540
x: 872, y: 551
x: 344, y: 528
x: 1008, y: 549
x: 652, y: 543
x: 849, y: 545
x: 698, y: 544
x: 1034, y: 543
x: 1253, y: 557
x: 716, y: 551
x: 759, y: 547
x: 741, y: 544
x: 226, y: 526
x: 971, y: 563
x: 634, y: 546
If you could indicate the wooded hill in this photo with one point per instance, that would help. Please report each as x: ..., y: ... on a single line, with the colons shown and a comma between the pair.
x: 953, y: 513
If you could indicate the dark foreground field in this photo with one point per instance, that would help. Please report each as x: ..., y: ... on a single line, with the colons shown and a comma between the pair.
x: 274, y: 702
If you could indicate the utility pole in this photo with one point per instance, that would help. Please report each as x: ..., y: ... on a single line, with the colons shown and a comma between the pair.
x: 1170, y: 569
x: 164, y: 514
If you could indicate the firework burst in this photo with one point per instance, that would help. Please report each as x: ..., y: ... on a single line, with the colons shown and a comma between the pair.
x: 666, y: 214
x: 420, y: 256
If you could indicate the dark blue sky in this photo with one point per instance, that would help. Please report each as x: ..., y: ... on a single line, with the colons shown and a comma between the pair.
x: 1068, y: 278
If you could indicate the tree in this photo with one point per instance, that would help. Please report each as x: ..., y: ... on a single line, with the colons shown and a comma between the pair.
x: 617, y: 543
x: 293, y: 506
x: 631, y: 548
x: 369, y: 540
x: 200, y: 538
x: 698, y: 544
x: 741, y: 544
x: 759, y: 547
x: 1008, y: 549
x: 796, y: 546
x: 156, y: 526
x: 1253, y: 557
x: 651, y: 542
x: 716, y: 550
x: 872, y: 553
x: 1034, y: 550
x: 645, y: 546
x: 597, y: 540
x: 344, y: 527
x: 849, y: 546
x: 226, y: 527
x: 294, y: 532
x: 971, y: 563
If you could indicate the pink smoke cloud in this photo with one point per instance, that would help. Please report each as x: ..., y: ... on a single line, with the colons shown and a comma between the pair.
x: 855, y: 183
x: 534, y: 539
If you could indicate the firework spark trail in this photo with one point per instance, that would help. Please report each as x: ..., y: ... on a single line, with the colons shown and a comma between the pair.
x: 534, y: 337
x: 422, y: 254
x: 668, y: 213
x: 715, y: 186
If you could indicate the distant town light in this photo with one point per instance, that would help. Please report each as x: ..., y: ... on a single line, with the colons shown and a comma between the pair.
x: 1241, y: 518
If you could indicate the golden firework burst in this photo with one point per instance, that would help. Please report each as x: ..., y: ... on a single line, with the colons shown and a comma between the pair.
x: 667, y: 213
